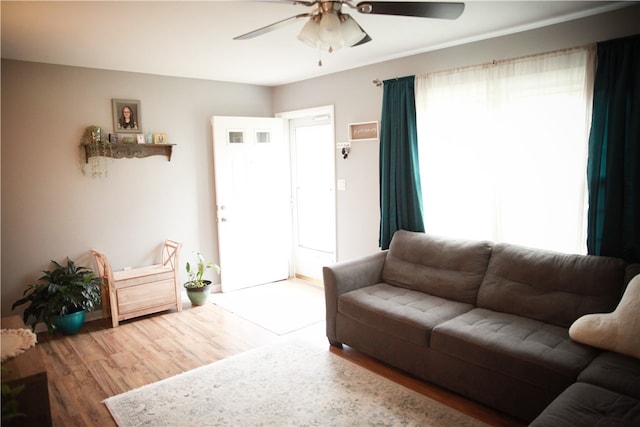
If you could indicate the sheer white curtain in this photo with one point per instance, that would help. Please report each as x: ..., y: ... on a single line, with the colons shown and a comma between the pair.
x: 503, y: 150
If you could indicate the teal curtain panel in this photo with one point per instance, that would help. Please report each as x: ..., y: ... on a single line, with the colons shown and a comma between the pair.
x: 613, y: 169
x: 400, y: 188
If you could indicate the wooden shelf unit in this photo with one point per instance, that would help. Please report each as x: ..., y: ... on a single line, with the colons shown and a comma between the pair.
x: 128, y: 151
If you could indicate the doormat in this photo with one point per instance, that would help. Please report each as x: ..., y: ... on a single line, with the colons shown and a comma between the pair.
x: 280, y: 307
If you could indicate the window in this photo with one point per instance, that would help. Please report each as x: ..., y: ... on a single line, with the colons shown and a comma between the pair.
x: 503, y: 150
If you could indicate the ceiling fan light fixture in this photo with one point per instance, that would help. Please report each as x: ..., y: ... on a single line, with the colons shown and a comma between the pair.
x: 309, y: 33
x: 351, y: 31
x: 330, y: 30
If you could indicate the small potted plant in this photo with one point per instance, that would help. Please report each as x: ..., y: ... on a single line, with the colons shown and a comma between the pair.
x: 197, y: 287
x: 62, y: 299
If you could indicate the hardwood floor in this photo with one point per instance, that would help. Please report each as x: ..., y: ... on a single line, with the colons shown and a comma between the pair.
x: 101, y: 361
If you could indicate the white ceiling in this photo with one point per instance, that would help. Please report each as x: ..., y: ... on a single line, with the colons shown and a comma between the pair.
x: 195, y: 39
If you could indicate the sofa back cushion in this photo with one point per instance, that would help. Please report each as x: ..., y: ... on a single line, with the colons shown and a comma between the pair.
x: 548, y: 286
x: 443, y: 267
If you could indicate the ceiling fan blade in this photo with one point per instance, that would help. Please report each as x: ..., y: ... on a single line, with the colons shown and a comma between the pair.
x: 293, y: 2
x: 271, y: 27
x: 365, y: 39
x: 439, y: 10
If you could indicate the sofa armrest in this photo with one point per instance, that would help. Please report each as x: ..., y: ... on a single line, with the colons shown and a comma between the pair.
x: 344, y: 277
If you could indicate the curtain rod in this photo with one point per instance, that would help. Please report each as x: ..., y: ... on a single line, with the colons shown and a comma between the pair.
x: 494, y: 62
x: 379, y: 82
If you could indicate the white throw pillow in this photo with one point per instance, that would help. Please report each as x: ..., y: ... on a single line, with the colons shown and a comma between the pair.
x: 618, y: 331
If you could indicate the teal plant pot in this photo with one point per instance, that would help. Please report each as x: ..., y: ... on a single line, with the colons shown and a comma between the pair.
x: 198, y: 296
x: 71, y: 323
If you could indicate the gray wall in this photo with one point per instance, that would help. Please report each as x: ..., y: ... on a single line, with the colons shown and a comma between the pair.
x: 357, y: 99
x: 50, y: 210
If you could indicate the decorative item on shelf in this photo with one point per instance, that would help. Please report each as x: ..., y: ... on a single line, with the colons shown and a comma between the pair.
x: 160, y: 138
x: 92, y: 135
x: 60, y: 302
x: 148, y: 137
x: 92, y: 146
x: 198, y: 288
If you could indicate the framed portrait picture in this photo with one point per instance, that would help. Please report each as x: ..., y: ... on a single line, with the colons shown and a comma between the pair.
x: 126, y: 116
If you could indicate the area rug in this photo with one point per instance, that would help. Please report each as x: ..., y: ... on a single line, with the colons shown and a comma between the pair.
x: 291, y: 383
x: 280, y: 307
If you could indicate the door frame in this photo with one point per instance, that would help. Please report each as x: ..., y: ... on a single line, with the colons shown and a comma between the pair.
x: 326, y: 110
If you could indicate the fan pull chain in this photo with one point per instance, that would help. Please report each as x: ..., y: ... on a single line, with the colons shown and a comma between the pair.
x: 319, y: 56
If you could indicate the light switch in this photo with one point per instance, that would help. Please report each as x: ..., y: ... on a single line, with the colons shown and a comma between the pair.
x: 342, y: 185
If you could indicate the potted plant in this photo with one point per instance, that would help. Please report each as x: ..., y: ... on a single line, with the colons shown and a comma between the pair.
x: 197, y: 287
x: 62, y: 299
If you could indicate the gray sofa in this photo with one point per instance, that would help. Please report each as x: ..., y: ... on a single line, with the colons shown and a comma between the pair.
x: 488, y: 321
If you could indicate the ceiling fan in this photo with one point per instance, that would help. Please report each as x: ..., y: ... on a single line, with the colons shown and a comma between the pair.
x: 328, y: 28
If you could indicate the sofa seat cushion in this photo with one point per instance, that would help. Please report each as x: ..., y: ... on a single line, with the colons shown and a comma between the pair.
x: 615, y: 372
x: 523, y: 348
x: 407, y: 314
x: 586, y: 405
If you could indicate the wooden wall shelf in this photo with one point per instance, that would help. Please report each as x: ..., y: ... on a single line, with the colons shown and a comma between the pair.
x: 129, y: 151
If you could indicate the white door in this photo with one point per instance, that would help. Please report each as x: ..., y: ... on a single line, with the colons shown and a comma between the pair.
x: 252, y: 182
x: 313, y: 176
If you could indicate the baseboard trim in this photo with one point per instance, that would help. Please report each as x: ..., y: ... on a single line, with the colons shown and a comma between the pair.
x: 310, y: 279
